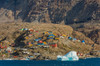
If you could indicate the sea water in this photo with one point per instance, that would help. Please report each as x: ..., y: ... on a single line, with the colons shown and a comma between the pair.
x: 81, y: 62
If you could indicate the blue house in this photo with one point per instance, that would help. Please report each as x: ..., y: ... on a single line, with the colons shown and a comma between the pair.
x: 40, y: 44
x: 83, y: 41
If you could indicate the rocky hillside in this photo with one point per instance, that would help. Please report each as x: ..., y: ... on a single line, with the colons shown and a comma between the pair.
x: 52, y: 11
x: 10, y: 34
x: 90, y: 29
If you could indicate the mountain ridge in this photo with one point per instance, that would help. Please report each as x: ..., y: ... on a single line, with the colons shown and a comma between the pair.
x: 52, y: 11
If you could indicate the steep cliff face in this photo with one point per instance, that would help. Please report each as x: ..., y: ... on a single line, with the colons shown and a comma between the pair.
x: 82, y: 12
x: 52, y: 11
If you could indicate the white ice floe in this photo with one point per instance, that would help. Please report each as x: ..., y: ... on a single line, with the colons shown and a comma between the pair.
x: 71, y: 56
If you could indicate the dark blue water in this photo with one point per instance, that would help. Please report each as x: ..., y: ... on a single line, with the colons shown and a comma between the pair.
x: 87, y: 62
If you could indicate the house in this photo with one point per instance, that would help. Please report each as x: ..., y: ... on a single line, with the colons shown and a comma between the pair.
x: 36, y: 53
x: 50, y: 32
x: 40, y: 41
x: 61, y: 37
x: 57, y: 38
x: 36, y: 40
x: 51, y: 35
x: 70, y: 38
x: 40, y: 44
x: 83, y: 41
x: 53, y: 45
x: 45, y: 42
x: 74, y: 39
x: 46, y: 46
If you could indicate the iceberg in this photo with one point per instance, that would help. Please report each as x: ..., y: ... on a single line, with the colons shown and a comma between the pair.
x: 70, y: 56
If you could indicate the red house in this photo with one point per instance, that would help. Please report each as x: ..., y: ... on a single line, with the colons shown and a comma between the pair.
x: 54, y: 45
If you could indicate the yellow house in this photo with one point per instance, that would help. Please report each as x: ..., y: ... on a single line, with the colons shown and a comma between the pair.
x: 26, y: 37
x: 30, y: 45
x: 57, y: 38
x: 64, y: 35
x: 46, y: 32
x: 44, y: 42
x: 55, y: 34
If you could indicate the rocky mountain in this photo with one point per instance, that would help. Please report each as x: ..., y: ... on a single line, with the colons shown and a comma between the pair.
x: 50, y: 11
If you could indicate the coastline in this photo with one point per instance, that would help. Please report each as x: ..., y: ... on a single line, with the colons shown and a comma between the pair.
x: 80, y: 57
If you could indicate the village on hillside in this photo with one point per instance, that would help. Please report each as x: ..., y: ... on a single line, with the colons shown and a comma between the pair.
x: 30, y: 42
